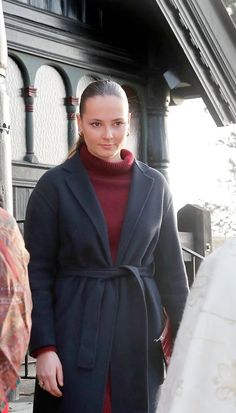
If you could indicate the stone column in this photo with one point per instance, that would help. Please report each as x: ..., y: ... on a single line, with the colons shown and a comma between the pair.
x: 5, y: 140
x: 157, y: 140
x: 72, y: 103
x: 29, y: 93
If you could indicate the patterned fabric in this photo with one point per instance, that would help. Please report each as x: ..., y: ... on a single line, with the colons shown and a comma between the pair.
x: 15, y: 304
x: 6, y: 410
x: 201, y: 377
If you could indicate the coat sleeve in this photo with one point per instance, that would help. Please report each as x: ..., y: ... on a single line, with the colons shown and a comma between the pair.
x: 170, y: 269
x: 41, y: 238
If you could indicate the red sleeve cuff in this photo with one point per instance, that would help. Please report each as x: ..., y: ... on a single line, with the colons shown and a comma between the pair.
x: 41, y: 350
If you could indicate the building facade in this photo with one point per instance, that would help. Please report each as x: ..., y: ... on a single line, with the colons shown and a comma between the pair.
x: 160, y: 51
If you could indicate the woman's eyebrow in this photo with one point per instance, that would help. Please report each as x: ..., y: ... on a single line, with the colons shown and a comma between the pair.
x: 101, y: 120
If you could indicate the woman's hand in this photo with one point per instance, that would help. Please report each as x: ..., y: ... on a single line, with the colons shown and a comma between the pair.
x: 49, y: 372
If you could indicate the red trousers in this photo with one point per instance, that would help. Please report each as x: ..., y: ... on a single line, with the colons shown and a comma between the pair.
x: 107, y: 399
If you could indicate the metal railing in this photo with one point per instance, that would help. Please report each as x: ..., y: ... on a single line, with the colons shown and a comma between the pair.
x: 25, y: 366
x: 195, y: 260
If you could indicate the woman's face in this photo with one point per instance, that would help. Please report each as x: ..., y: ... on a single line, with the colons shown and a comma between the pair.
x: 105, y: 124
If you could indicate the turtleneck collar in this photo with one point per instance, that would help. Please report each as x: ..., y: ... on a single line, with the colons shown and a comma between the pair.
x: 93, y: 163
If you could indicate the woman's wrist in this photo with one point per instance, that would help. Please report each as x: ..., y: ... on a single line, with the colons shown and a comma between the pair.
x: 44, y: 349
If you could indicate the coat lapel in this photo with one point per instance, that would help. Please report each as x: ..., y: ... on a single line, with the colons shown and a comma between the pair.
x: 79, y: 183
x: 140, y: 189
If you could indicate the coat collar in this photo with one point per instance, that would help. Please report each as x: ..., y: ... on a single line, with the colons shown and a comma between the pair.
x: 140, y: 188
x: 79, y: 183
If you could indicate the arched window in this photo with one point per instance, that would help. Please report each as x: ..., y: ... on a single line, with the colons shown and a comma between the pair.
x: 14, y: 85
x: 50, y: 117
x: 86, y: 11
x: 83, y: 83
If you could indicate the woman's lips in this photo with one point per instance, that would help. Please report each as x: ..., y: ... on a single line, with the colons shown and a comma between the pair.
x: 105, y: 146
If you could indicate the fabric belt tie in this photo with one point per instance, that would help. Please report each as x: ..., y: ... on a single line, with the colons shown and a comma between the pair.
x: 91, y: 317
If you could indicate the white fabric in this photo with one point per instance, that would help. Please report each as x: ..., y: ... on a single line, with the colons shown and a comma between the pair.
x: 201, y: 377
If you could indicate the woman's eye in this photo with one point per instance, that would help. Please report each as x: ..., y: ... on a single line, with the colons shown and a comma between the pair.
x: 95, y: 124
x: 119, y: 123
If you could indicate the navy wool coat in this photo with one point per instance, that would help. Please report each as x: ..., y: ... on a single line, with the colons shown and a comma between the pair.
x: 103, y: 317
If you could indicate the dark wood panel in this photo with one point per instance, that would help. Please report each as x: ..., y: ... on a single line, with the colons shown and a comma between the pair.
x: 20, y: 199
x: 24, y: 178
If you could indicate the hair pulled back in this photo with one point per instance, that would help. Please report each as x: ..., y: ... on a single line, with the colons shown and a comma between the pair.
x: 103, y: 87
x: 100, y: 88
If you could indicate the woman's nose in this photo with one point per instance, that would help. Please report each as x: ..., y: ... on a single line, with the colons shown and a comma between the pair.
x: 108, y: 133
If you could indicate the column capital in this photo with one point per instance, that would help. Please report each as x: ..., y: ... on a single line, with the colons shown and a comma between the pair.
x: 157, y: 110
x: 158, y: 93
x: 29, y: 91
x: 71, y: 101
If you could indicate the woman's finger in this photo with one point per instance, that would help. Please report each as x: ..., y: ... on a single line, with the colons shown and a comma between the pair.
x: 49, y: 372
x: 59, y: 374
x: 52, y: 387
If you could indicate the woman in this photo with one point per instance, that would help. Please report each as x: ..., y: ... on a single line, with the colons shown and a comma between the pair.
x: 202, y: 371
x: 15, y: 305
x: 105, y: 258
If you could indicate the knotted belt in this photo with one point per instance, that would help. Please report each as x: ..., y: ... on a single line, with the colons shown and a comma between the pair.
x: 91, y: 318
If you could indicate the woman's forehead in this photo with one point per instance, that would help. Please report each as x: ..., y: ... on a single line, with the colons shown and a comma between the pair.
x: 99, y: 105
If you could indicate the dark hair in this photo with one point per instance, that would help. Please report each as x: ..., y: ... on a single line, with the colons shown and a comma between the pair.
x: 100, y: 88
x: 104, y: 87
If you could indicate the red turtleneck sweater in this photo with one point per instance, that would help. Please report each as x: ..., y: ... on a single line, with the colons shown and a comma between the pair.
x: 111, y: 181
